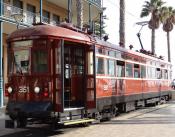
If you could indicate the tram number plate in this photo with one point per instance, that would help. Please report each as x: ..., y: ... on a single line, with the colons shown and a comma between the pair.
x: 23, y: 89
x: 105, y: 87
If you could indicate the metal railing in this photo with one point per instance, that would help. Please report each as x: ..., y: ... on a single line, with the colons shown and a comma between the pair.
x: 9, y: 10
x: 98, y: 3
x: 29, y: 17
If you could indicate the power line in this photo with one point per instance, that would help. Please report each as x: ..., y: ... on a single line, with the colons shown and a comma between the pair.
x: 127, y: 12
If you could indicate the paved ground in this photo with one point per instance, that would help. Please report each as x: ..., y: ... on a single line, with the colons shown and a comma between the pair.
x: 150, y: 122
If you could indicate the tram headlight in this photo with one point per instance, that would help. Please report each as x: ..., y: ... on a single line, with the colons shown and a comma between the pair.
x: 9, y: 89
x: 37, y: 90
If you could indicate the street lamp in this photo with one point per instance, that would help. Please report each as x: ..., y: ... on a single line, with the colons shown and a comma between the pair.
x: 18, y: 17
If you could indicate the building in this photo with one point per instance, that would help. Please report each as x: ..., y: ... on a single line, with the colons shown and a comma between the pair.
x: 23, y: 13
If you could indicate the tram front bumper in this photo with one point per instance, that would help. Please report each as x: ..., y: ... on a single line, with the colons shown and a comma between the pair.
x: 29, y: 109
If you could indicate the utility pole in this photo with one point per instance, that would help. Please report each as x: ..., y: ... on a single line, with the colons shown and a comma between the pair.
x: 1, y: 56
x: 69, y: 11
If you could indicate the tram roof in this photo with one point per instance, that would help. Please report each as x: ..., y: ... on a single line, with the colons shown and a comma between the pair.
x: 66, y: 33
x: 134, y: 53
x: 48, y: 31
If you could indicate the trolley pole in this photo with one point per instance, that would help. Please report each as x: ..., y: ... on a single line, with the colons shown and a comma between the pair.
x: 1, y: 56
x: 41, y: 11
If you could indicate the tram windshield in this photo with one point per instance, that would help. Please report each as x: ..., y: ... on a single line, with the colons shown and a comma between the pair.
x: 19, y: 57
x: 21, y: 60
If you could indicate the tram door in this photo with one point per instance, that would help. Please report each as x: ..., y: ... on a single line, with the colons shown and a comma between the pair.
x: 90, y: 78
x: 74, y: 67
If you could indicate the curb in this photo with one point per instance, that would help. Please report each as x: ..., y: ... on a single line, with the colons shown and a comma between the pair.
x: 2, y: 109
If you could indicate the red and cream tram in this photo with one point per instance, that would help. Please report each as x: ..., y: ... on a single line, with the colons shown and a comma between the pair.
x: 59, y: 75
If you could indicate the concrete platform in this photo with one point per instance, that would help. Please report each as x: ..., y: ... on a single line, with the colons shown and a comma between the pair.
x: 156, y: 121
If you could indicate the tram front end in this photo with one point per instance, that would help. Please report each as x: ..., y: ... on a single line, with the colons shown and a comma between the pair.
x: 29, y: 88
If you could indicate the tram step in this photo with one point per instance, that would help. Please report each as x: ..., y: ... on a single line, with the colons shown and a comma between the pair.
x: 78, y: 121
x: 9, y: 124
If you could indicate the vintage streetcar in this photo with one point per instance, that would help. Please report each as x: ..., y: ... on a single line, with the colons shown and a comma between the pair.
x: 61, y: 76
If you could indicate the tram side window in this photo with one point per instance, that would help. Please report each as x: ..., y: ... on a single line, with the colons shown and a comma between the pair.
x: 149, y: 71
x: 143, y: 72
x: 100, y: 65
x: 136, y: 71
x: 170, y: 74
x: 165, y: 74
x: 40, y: 63
x: 158, y: 72
x: 120, y: 69
x: 153, y: 73
x: 111, y: 53
x: 129, y: 70
x: 111, y: 67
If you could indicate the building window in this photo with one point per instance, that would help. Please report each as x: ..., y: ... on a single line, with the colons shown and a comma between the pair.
x: 18, y: 6
x: 111, y: 67
x: 31, y: 10
x: 120, y: 69
x: 100, y: 66
x: 129, y: 72
x: 56, y: 19
x: 46, y: 16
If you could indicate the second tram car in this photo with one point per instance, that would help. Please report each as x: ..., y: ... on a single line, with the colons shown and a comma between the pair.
x: 60, y: 76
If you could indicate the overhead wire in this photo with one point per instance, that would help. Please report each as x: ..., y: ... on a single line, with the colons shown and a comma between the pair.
x: 126, y: 11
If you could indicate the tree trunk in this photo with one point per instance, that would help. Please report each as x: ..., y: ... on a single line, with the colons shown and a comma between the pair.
x: 168, y: 45
x: 122, y: 23
x: 153, y: 41
x: 79, y: 5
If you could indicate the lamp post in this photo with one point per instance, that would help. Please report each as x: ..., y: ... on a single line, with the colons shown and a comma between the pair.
x: 18, y: 18
x: 41, y: 11
x: 1, y: 56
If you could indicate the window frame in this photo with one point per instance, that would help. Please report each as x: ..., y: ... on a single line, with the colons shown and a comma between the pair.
x: 108, y: 67
x: 123, y: 68
x: 138, y: 69
x: 129, y: 76
x: 46, y: 48
x: 103, y: 70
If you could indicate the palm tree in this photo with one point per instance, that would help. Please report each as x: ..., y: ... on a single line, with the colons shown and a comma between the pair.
x: 79, y: 5
x: 168, y: 19
x: 122, y: 23
x: 153, y: 7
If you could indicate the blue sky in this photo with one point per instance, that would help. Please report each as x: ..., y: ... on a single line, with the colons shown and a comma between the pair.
x: 133, y: 9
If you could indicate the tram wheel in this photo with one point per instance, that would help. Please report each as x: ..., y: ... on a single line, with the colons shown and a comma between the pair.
x: 85, y: 124
x: 21, y: 123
